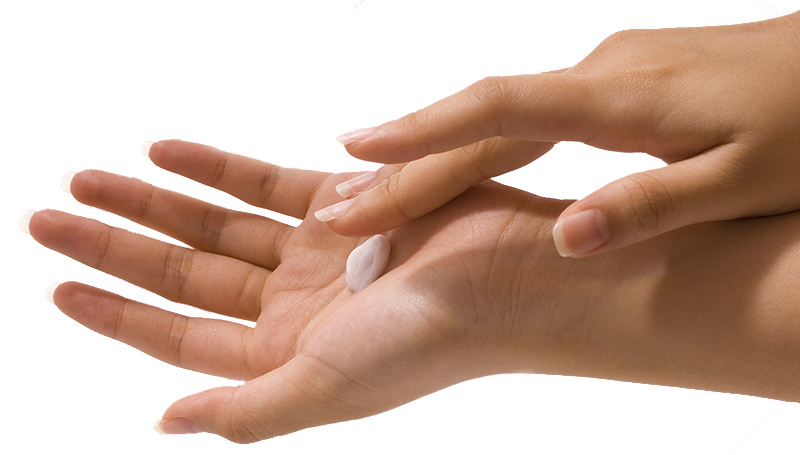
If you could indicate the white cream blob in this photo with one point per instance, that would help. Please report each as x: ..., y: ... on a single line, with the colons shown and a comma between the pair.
x: 367, y: 261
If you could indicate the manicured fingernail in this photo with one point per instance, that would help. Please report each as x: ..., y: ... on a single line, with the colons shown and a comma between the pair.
x: 176, y: 426
x: 334, y: 211
x: 355, y: 185
x: 26, y: 221
x: 146, y: 148
x: 50, y: 291
x: 581, y: 233
x: 66, y: 181
x: 357, y: 135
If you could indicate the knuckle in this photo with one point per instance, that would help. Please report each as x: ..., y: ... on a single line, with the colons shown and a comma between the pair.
x: 242, y: 434
x: 177, y: 267
x: 177, y: 333
x: 391, y: 190
x: 491, y: 91
x: 415, y: 125
x: 625, y: 43
x: 240, y: 425
x: 492, y: 95
x: 473, y: 160
x: 619, y: 39
x: 268, y: 185
x: 102, y: 247
x: 219, y: 171
x: 497, y: 155
x: 119, y: 320
x: 652, y: 205
x: 212, y: 226
x: 146, y: 203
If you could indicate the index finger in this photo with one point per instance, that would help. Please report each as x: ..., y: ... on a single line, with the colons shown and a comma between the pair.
x: 283, y: 190
x: 547, y: 107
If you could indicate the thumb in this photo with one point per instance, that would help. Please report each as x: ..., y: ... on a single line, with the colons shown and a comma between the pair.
x: 647, y: 204
x: 303, y: 393
x: 428, y: 183
x: 271, y: 405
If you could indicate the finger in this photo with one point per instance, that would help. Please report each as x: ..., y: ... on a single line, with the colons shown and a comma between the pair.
x: 201, y: 225
x: 282, y: 190
x: 209, y: 346
x: 211, y: 282
x: 296, y: 396
x: 428, y: 183
x: 644, y: 205
x: 548, y: 107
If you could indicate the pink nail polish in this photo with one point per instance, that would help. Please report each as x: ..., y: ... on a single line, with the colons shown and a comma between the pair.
x: 356, y: 136
x: 355, y: 185
x: 581, y: 233
x: 334, y: 211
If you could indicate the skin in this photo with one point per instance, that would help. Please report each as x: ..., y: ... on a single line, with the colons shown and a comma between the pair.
x: 472, y: 289
x: 719, y: 104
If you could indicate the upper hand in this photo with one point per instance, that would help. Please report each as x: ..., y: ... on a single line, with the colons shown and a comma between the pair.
x: 719, y: 104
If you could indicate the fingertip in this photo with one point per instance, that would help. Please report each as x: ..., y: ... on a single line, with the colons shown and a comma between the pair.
x: 146, y: 148
x: 25, y: 222
x: 334, y: 212
x: 49, y: 294
x: 66, y: 181
x: 581, y: 233
x: 176, y: 426
x: 356, y: 184
x: 356, y: 135
x: 154, y: 149
x: 558, y: 239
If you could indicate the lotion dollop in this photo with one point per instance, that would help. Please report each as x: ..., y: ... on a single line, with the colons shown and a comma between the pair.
x: 367, y: 262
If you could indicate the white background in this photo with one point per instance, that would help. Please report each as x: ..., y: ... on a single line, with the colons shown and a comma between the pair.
x: 85, y: 84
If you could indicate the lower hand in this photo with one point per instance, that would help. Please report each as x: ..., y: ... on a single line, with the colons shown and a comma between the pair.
x: 318, y: 353
x: 472, y: 289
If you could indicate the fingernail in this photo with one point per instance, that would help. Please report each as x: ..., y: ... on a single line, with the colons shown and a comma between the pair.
x: 146, y: 148
x: 66, y: 181
x: 50, y: 291
x: 581, y: 233
x: 357, y: 135
x: 355, y: 185
x: 334, y: 211
x: 176, y: 426
x: 26, y: 221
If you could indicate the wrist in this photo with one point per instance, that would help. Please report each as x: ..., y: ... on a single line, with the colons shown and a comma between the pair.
x: 708, y: 307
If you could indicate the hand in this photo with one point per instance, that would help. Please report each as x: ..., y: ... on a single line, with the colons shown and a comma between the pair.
x: 318, y: 353
x: 720, y: 104
x: 473, y: 288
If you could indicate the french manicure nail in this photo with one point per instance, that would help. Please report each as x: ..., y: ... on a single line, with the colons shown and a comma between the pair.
x: 581, y: 233
x: 357, y: 135
x: 26, y: 221
x: 50, y: 291
x: 355, y: 185
x: 146, y: 148
x: 176, y: 426
x: 334, y: 211
x: 66, y: 181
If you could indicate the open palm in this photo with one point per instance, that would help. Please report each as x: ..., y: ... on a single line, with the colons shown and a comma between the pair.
x: 318, y: 353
